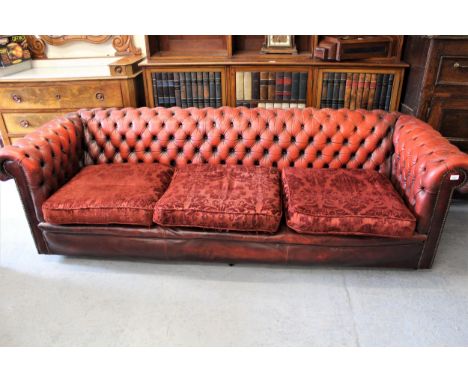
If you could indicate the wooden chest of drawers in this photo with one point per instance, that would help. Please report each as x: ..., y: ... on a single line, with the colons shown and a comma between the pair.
x: 437, y: 84
x: 27, y: 103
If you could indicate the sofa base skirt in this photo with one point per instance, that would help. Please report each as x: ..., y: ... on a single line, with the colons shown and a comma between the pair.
x: 284, y: 247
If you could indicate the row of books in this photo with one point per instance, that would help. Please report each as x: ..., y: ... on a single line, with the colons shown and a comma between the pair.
x: 271, y: 105
x: 357, y: 90
x: 271, y: 86
x: 187, y: 89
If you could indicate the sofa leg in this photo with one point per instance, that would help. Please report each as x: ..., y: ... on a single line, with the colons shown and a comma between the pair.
x: 231, y: 264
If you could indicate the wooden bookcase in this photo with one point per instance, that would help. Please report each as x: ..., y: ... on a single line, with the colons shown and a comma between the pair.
x: 231, y: 54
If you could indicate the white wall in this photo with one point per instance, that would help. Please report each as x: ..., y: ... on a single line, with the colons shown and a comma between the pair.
x: 85, y: 49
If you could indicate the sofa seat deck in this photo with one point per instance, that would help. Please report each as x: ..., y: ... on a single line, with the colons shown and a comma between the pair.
x: 232, y: 198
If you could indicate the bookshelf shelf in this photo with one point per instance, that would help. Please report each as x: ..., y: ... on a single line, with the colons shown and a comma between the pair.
x: 231, y: 54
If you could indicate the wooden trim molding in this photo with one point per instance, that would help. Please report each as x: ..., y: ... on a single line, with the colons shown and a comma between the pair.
x: 123, y: 44
x: 37, y: 46
x: 63, y: 39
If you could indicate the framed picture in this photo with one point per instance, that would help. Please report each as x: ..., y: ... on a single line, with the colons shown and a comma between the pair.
x: 279, y: 44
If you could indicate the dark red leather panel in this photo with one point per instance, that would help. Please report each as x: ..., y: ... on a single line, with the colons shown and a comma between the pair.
x: 344, y: 202
x: 223, y: 198
x: 284, y: 235
x: 269, y: 138
x: 284, y: 247
x: 422, y: 158
x: 49, y: 157
x: 121, y: 193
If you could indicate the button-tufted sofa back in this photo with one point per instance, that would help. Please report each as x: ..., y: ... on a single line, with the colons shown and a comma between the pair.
x: 278, y: 138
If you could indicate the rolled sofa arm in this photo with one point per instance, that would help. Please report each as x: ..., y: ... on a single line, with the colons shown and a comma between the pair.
x: 426, y: 168
x: 41, y: 162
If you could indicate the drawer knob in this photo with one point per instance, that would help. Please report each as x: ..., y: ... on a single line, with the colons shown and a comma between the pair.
x: 16, y: 98
x: 118, y: 69
x: 99, y: 96
x: 58, y: 96
x: 457, y: 65
x: 24, y: 123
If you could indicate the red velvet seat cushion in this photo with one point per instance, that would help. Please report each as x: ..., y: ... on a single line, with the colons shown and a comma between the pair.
x: 222, y: 197
x: 344, y: 201
x: 119, y: 193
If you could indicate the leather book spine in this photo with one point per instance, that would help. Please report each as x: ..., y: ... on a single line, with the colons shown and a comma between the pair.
x: 170, y: 82
x: 285, y: 105
x: 302, y: 87
x: 378, y: 91
x: 194, y: 89
x: 324, y: 94
x: 331, y: 80
x: 206, y: 90
x: 247, y: 86
x: 178, y: 100
x: 165, y: 87
x: 383, y: 93
x: 154, y: 79
x: 347, y: 98
x: 336, y: 91
x: 341, y: 92
x: 354, y: 87
x: 287, y: 84
x: 295, y: 86
x: 271, y: 86
x: 264, y: 85
x: 365, y: 93
x: 262, y: 105
x: 277, y: 105
x: 239, y: 86
x: 370, y: 99
x: 218, y: 89
x: 301, y: 105
x: 255, y: 85
x: 183, y: 90
x: 360, y: 90
x: 160, y: 89
x: 200, y: 89
x: 211, y: 84
x: 269, y: 105
x: 389, y: 92
x: 279, y: 86
x: 188, y: 87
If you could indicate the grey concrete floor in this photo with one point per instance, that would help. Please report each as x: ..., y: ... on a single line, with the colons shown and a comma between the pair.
x: 60, y: 301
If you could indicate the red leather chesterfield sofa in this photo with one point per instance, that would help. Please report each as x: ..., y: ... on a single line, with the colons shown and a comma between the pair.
x: 299, y: 186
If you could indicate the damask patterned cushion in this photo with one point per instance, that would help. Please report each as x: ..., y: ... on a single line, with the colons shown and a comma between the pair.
x: 222, y: 197
x: 344, y: 201
x: 118, y: 193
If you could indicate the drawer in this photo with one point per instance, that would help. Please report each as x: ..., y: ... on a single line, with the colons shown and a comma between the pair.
x: 71, y: 95
x: 24, y: 123
x: 450, y: 117
x: 453, y: 70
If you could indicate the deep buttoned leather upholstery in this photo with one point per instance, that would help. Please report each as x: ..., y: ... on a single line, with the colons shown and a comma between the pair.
x: 272, y: 138
x: 422, y: 158
x: 49, y: 157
